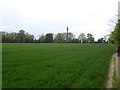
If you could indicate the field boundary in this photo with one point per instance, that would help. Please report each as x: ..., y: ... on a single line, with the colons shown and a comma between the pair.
x: 117, y: 69
x: 113, y: 75
x: 111, y: 72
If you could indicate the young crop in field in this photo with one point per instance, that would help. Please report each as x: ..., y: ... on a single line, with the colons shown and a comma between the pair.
x: 56, y: 65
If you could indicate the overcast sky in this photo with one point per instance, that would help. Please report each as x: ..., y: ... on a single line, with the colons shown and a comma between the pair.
x: 53, y: 16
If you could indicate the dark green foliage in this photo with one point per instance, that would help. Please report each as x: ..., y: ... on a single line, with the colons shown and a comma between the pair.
x: 60, y: 38
x: 115, y: 35
x: 42, y: 39
x: 100, y: 40
x: 118, y: 32
x: 20, y: 37
x: 49, y: 38
x: 90, y: 37
x: 75, y: 41
x: 55, y: 65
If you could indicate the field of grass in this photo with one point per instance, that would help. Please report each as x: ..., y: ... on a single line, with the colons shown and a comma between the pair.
x: 0, y: 65
x: 55, y: 65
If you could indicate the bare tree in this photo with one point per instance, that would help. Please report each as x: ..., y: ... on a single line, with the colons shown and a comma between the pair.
x: 81, y: 37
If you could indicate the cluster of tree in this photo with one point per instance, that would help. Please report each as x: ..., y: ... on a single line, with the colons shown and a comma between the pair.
x: 63, y: 38
x: 56, y: 38
x: 82, y: 37
x: 48, y: 38
x: 25, y: 37
x: 20, y: 37
x: 115, y: 34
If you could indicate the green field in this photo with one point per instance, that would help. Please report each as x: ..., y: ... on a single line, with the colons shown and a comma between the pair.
x: 56, y: 65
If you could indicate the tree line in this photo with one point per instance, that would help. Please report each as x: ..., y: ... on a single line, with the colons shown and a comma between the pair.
x: 14, y: 37
x: 25, y: 37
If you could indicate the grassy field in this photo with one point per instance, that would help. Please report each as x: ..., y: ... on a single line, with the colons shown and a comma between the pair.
x: 0, y: 65
x: 56, y: 65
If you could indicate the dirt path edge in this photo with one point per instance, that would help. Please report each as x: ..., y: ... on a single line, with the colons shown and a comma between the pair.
x: 111, y: 71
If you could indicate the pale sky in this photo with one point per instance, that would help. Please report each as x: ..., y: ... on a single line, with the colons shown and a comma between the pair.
x: 53, y: 16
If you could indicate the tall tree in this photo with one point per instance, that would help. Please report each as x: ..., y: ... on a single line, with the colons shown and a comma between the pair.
x: 90, y: 37
x: 42, y: 38
x: 82, y: 37
x: 71, y: 36
x: 21, y: 36
x: 112, y: 37
x: 115, y: 34
x: 118, y: 32
x: 59, y: 38
x: 3, y: 36
x: 49, y: 38
x: 100, y: 40
x: 29, y: 38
